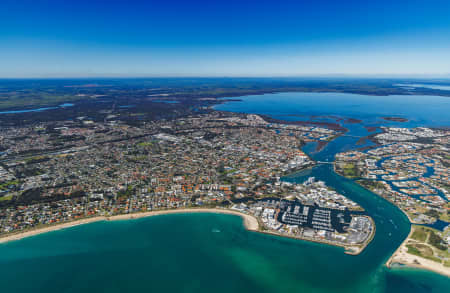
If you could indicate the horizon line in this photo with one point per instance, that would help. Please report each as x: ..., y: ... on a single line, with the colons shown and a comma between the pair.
x: 100, y: 76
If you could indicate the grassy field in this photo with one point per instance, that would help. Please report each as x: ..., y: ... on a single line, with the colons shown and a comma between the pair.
x: 426, y: 242
x: 6, y: 197
x: 371, y: 184
x: 420, y: 234
x: 349, y: 170
x: 422, y: 250
x: 4, y: 185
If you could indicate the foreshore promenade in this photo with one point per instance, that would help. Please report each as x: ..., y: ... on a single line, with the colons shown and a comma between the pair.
x: 250, y: 222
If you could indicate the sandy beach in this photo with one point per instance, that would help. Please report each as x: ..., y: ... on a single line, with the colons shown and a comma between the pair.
x: 250, y: 222
x: 401, y: 256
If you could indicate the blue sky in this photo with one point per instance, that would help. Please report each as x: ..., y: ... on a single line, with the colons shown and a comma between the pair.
x: 223, y: 38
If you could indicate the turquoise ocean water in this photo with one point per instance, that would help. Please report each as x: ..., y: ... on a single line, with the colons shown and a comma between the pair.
x: 214, y: 253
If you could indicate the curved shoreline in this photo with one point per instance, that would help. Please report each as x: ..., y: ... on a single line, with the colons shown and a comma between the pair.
x: 401, y: 256
x: 249, y: 221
